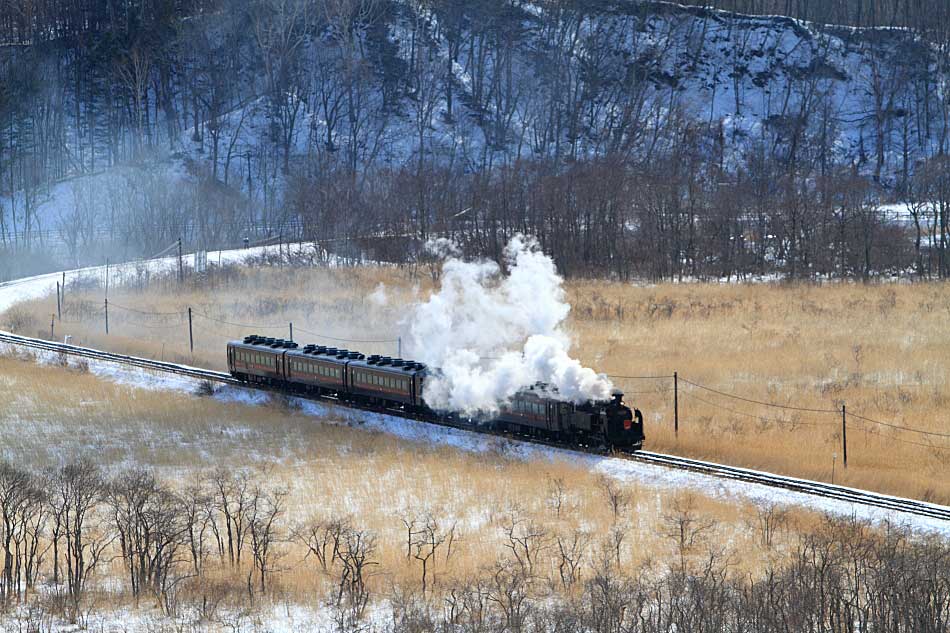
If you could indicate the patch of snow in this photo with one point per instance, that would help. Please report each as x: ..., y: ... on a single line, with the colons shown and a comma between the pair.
x: 423, y: 432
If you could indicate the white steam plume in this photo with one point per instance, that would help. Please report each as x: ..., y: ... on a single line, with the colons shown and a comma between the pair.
x: 492, y: 334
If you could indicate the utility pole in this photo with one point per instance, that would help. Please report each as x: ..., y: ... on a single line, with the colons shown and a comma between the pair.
x: 52, y: 325
x: 107, y: 277
x: 844, y: 435
x: 399, y: 347
x: 291, y: 331
x: 107, y: 315
x: 59, y: 303
x: 191, y: 336
x: 181, y: 269
x: 676, y: 405
x: 64, y: 289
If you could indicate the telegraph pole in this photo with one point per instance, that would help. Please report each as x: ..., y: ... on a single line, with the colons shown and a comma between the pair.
x: 107, y: 315
x: 676, y: 405
x: 181, y: 269
x: 844, y: 435
x: 191, y: 336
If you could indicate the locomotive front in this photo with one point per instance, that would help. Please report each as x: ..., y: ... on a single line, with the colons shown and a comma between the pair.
x: 624, y: 426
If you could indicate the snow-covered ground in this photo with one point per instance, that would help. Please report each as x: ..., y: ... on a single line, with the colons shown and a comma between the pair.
x: 657, y: 477
x: 13, y: 292
x: 277, y: 616
x: 654, y: 478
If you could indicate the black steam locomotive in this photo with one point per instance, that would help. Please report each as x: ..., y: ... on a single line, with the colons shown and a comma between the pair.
x: 318, y: 370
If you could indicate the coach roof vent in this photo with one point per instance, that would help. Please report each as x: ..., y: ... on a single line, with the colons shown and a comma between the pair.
x: 372, y: 360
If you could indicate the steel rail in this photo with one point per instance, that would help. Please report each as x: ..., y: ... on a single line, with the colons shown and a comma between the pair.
x: 804, y: 486
x: 794, y: 484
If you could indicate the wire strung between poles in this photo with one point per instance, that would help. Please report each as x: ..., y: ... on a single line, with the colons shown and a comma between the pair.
x: 760, y: 402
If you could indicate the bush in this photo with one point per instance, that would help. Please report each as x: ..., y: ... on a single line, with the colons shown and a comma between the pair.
x: 19, y: 320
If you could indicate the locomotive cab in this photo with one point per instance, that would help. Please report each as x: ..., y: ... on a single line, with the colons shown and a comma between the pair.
x: 624, y: 426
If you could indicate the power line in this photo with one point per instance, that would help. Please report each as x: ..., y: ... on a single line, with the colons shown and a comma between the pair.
x: 899, y: 428
x: 647, y: 393
x: 638, y: 377
x: 939, y: 448
x: 248, y: 326
x: 754, y: 416
x: 760, y: 402
x: 809, y: 410
x: 345, y: 340
x: 145, y: 312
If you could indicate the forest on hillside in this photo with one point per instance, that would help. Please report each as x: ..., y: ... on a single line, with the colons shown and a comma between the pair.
x: 634, y: 139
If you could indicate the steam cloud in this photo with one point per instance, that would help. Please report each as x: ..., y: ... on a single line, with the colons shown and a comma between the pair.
x: 493, y: 334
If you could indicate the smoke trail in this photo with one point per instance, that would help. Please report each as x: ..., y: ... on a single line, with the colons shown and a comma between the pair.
x: 492, y: 334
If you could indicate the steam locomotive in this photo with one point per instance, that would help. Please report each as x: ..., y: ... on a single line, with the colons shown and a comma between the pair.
x: 395, y: 383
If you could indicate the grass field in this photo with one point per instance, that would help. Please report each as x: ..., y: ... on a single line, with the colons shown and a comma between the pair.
x: 333, y: 470
x: 882, y: 350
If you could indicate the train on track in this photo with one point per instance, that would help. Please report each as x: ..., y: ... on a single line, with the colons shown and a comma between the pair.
x: 396, y: 384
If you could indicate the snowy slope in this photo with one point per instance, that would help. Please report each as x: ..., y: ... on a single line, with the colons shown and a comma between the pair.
x: 758, y: 78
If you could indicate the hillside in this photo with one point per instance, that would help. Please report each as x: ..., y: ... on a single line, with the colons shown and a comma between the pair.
x: 271, y: 106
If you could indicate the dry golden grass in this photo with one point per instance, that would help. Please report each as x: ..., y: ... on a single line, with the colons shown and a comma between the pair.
x: 332, y: 469
x: 881, y: 349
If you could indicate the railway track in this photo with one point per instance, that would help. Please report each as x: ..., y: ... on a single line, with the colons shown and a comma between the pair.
x: 804, y: 486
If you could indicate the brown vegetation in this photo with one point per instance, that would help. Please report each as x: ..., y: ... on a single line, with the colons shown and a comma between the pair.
x: 340, y: 520
x: 879, y: 349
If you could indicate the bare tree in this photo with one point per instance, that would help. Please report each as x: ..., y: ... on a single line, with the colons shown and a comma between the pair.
x: 281, y: 28
x: 356, y: 561
x: 572, y: 549
x: 526, y: 539
x: 618, y: 499
x: 22, y: 519
x: 151, y: 524
x: 426, y: 541
x: 81, y: 489
x: 557, y: 494
x: 233, y: 498
x: 769, y: 519
x: 266, y: 508
x: 324, y: 539
x: 509, y: 590
x: 685, y: 526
